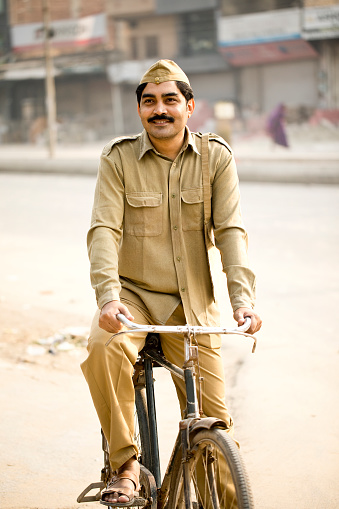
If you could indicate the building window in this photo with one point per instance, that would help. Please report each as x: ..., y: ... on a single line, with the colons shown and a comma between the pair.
x: 151, y: 46
x: 198, y: 33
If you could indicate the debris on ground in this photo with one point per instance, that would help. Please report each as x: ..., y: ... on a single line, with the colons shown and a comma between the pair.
x: 64, y: 340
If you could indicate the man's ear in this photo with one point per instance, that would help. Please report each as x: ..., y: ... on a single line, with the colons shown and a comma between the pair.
x: 139, y: 109
x: 190, y: 107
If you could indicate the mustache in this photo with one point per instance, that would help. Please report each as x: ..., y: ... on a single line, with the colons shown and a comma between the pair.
x: 161, y: 117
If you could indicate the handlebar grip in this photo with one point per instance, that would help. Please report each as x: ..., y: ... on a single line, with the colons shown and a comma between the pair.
x: 122, y: 318
x: 246, y: 325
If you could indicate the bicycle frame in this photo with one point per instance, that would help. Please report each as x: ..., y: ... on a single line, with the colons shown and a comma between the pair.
x: 149, y: 356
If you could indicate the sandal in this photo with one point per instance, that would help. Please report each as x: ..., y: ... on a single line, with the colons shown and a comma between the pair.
x: 131, y: 476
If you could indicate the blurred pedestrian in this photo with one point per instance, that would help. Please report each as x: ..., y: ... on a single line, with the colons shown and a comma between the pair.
x: 276, y: 126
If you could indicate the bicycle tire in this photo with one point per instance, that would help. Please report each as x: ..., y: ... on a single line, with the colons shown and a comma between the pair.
x: 141, y: 432
x: 208, y: 448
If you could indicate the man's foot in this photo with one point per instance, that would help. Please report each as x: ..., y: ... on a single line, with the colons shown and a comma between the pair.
x: 123, y: 487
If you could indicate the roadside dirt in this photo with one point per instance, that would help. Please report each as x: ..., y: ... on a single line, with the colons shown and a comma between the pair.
x: 22, y: 329
x: 50, y: 437
x: 49, y: 432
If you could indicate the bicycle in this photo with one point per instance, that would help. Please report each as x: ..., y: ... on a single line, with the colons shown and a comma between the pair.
x: 205, y: 470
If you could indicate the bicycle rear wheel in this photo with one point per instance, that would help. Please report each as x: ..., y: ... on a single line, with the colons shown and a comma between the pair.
x: 218, y: 479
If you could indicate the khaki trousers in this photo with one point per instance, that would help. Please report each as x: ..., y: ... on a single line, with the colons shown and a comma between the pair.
x: 108, y: 371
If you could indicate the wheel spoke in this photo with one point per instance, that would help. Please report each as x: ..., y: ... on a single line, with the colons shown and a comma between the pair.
x: 207, y: 494
x: 211, y: 475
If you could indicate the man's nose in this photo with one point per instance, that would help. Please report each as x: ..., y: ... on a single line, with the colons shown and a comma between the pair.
x: 160, y: 108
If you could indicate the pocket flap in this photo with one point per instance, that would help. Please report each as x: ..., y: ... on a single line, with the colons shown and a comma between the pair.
x: 144, y: 199
x: 192, y: 195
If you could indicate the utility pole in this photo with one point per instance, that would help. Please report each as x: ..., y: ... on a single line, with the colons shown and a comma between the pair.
x: 49, y: 82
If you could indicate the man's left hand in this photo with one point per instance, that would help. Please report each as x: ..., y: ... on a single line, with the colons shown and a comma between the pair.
x: 240, y: 314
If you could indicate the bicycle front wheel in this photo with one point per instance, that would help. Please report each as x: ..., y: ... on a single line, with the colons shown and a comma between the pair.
x: 217, y: 476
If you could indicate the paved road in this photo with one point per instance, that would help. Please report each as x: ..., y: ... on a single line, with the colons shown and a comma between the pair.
x: 288, y: 395
x: 283, y: 398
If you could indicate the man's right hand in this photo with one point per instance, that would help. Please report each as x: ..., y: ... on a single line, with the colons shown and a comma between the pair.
x: 108, y: 316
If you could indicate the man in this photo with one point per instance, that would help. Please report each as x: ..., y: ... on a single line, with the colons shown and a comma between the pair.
x: 148, y: 249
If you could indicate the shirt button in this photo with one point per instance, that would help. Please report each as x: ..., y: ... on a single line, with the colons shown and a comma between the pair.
x: 173, y: 195
x: 178, y: 258
x: 183, y: 289
x: 175, y: 227
x: 174, y: 164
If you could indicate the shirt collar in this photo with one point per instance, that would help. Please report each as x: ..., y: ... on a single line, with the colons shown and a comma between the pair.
x: 191, y: 141
x: 146, y: 145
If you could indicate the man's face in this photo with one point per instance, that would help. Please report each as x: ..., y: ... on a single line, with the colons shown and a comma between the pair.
x: 163, y: 110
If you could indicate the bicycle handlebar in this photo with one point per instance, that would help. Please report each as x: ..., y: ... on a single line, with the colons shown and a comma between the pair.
x: 182, y: 329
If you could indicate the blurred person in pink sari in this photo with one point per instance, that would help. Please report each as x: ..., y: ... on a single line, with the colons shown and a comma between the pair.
x: 275, y: 126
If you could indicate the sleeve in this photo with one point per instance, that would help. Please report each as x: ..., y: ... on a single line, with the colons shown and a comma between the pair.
x: 230, y: 234
x: 105, y: 233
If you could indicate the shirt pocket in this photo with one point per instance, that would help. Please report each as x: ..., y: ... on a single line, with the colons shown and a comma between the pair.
x: 192, y: 209
x: 143, y: 214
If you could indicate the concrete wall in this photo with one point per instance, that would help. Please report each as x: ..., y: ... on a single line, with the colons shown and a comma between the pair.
x: 213, y: 87
x: 260, y: 88
x: 132, y: 123
x: 293, y: 83
x: 251, y: 88
x: 329, y: 74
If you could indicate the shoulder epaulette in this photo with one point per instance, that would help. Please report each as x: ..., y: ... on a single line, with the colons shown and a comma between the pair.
x: 108, y: 148
x: 218, y: 139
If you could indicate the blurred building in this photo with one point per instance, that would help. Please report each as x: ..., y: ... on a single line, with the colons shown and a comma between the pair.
x: 242, y: 56
x: 185, y: 31
x: 4, y: 30
x: 320, y: 27
x: 79, y: 44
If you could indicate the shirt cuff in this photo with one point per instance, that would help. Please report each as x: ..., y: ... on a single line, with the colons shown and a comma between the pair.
x: 107, y: 297
x: 241, y: 284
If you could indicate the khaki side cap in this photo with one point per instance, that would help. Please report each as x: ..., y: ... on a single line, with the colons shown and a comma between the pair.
x: 162, y: 71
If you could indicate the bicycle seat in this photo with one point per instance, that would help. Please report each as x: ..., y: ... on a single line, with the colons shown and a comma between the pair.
x: 152, y: 344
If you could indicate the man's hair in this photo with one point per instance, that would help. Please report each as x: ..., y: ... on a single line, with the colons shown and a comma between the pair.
x: 185, y: 89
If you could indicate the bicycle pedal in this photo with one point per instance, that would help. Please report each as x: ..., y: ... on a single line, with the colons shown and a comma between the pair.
x: 137, y: 502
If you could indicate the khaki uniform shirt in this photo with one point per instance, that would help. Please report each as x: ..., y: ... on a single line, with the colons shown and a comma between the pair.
x: 147, y: 231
